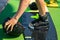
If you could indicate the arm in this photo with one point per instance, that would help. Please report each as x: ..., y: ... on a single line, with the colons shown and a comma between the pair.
x: 23, y: 5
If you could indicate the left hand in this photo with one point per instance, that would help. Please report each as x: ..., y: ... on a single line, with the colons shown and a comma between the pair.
x: 10, y: 24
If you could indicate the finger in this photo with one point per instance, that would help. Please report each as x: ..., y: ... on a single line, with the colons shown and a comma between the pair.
x: 8, y: 26
x: 11, y: 28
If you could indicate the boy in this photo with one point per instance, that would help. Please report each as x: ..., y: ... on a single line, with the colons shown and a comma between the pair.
x: 22, y: 7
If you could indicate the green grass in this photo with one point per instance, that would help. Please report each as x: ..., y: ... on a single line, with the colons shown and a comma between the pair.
x: 12, y: 8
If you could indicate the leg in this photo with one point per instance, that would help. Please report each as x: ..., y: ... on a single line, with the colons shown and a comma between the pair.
x: 39, y: 30
x: 42, y: 7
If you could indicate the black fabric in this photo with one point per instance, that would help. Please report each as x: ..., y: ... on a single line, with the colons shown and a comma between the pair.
x: 39, y: 35
x: 17, y: 30
x: 40, y: 29
x: 44, y: 18
x: 33, y: 6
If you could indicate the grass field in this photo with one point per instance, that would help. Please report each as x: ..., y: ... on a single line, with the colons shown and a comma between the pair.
x: 12, y: 8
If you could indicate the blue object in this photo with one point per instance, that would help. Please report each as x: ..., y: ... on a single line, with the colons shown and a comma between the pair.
x: 26, y: 19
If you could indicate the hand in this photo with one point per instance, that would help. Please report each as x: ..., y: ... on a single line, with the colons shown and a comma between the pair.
x: 10, y: 24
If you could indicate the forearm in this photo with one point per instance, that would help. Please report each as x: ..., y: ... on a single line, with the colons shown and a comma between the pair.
x: 22, y: 7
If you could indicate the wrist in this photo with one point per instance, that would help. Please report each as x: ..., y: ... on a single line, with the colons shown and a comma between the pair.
x: 15, y: 18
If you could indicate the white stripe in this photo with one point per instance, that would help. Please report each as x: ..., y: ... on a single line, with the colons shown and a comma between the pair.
x: 28, y: 37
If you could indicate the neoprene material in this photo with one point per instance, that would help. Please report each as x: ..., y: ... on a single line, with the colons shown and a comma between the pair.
x: 17, y: 30
x: 33, y: 6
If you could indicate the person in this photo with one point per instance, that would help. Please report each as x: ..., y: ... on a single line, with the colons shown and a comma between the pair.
x: 22, y: 7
